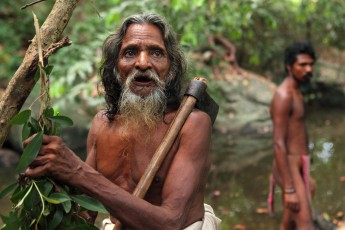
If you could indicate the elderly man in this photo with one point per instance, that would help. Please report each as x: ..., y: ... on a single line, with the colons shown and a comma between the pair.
x: 142, y: 74
x: 291, y: 165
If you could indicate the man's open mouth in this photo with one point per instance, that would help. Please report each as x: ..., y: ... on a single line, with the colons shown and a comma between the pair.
x: 143, y: 79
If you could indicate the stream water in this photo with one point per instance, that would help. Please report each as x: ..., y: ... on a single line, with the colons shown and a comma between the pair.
x: 238, y: 181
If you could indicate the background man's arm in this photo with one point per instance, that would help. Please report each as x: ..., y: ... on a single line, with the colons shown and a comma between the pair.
x: 281, y: 110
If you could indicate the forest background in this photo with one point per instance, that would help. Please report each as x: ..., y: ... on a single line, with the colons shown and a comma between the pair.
x: 260, y: 30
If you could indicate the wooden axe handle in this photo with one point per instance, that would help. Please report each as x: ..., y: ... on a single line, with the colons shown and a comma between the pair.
x: 181, y: 116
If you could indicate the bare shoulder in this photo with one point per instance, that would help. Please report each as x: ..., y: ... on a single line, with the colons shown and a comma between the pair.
x: 196, y: 132
x: 283, y: 92
x: 197, y: 120
x: 282, y: 96
x: 282, y: 101
x: 99, y: 121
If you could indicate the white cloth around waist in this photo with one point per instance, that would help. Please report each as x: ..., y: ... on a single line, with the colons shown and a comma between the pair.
x: 209, y: 222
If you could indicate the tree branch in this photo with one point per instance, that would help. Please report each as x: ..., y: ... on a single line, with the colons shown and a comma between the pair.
x: 23, y: 80
x: 32, y: 3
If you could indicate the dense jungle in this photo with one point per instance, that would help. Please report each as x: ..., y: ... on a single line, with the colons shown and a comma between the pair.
x: 256, y: 32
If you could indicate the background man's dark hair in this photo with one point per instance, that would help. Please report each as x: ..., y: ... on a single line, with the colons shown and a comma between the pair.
x: 299, y: 47
x: 111, y: 48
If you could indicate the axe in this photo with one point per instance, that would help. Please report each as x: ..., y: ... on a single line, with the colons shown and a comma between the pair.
x: 195, y: 96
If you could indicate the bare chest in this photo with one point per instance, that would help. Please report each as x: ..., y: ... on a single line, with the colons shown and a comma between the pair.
x: 297, y: 111
x: 124, y: 160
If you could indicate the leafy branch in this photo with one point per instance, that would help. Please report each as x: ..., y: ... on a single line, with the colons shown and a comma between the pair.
x: 43, y: 203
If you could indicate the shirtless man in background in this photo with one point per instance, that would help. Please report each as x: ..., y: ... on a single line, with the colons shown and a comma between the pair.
x: 290, y: 140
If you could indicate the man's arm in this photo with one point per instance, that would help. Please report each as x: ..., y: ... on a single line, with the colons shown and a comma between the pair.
x: 281, y: 110
x: 187, y: 173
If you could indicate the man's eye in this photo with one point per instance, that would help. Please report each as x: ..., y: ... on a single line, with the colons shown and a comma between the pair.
x: 157, y: 53
x: 129, y: 53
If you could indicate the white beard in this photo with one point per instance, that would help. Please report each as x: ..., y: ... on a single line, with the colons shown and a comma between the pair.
x: 138, y: 111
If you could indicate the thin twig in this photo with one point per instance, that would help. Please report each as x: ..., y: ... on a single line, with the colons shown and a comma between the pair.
x: 32, y: 3
x: 38, y: 39
x: 56, y: 46
x: 39, y: 97
x: 93, y: 6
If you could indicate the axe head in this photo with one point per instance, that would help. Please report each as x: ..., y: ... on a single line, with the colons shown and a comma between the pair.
x: 197, y: 88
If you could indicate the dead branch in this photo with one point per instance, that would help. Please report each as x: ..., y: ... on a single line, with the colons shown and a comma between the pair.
x: 229, y: 48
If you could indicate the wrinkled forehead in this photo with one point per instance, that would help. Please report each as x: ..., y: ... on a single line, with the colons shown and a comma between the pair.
x: 142, y: 32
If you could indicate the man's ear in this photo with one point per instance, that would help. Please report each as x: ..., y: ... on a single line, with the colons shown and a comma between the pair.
x: 288, y: 68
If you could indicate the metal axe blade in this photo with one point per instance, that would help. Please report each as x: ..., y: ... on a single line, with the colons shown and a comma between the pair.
x: 197, y: 88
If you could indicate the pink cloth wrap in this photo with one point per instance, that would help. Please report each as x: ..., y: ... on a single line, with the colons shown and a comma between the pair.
x: 306, y: 178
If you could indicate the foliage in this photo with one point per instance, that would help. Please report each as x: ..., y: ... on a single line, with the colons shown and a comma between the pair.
x: 15, y: 33
x: 260, y: 29
x: 43, y: 203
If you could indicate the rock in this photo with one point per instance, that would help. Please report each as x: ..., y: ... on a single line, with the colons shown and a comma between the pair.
x: 75, y: 138
x: 8, y: 157
x: 245, y: 105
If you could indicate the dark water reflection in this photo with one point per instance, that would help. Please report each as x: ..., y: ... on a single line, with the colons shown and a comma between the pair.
x: 238, y: 182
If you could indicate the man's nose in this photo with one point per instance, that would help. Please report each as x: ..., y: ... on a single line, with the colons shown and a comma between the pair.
x: 309, y: 68
x: 143, y: 61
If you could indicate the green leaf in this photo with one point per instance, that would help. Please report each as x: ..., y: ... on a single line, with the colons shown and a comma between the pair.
x: 18, y: 194
x: 30, y: 152
x: 24, y: 197
x: 57, y: 198
x: 56, y: 129
x: 67, y: 206
x: 26, y: 131
x: 32, y: 200
x: 80, y: 226
x: 57, y: 218
x: 89, y: 203
x: 49, y: 200
x: 45, y: 186
x: 61, y: 120
x: 35, y: 126
x: 48, y: 112
x: 12, y: 221
x: 21, y: 117
x: 8, y: 190
x: 37, y: 74
x: 49, y: 69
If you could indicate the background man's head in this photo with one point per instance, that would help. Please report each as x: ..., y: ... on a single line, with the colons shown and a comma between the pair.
x: 299, y: 47
x: 109, y: 69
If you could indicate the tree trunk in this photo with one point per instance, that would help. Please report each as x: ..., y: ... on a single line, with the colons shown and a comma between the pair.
x: 23, y: 81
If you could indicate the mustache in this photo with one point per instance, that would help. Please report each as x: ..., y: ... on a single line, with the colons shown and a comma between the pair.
x: 149, y: 74
x: 308, y: 76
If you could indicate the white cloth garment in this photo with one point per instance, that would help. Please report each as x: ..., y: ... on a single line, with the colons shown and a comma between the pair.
x: 209, y: 222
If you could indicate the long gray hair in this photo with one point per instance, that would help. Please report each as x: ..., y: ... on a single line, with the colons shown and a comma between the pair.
x: 111, y: 48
